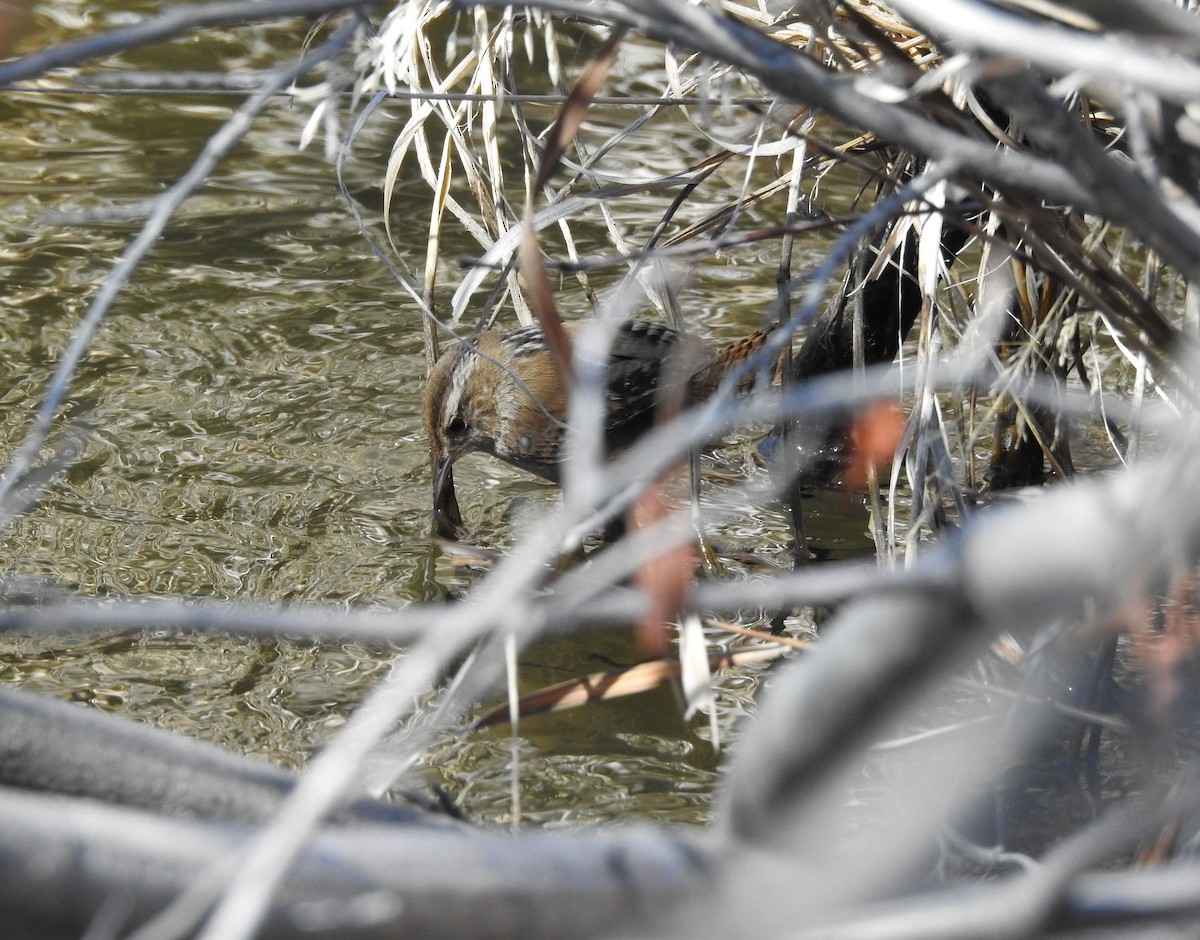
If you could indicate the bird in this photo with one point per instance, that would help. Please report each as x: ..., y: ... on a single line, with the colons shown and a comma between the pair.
x: 499, y: 393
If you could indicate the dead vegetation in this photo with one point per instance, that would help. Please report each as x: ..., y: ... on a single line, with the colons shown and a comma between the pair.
x: 1013, y: 243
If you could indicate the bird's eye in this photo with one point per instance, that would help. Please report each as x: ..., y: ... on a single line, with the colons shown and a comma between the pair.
x: 457, y: 428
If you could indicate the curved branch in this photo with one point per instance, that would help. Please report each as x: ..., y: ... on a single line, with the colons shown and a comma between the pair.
x: 169, y: 23
x: 1105, y: 58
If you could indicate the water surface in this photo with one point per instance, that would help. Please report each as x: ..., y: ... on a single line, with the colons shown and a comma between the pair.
x: 250, y: 418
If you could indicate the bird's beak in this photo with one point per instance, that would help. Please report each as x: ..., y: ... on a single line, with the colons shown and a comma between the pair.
x: 447, y: 520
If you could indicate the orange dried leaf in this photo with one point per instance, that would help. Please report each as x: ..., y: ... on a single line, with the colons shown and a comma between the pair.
x: 665, y: 578
x: 874, y: 437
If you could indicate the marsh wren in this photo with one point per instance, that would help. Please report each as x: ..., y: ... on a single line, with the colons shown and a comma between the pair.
x: 500, y: 393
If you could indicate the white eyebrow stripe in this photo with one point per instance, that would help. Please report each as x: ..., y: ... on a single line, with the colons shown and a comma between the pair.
x: 458, y: 383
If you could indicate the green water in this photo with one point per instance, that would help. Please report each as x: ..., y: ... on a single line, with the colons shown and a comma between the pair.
x: 251, y: 426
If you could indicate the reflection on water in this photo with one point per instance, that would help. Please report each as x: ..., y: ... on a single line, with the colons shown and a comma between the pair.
x: 251, y: 409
